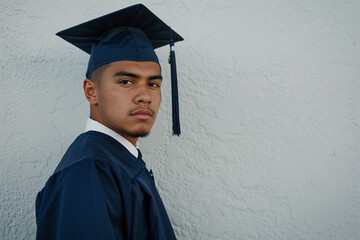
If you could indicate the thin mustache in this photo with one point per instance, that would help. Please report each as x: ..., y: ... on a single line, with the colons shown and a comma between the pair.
x: 133, y: 111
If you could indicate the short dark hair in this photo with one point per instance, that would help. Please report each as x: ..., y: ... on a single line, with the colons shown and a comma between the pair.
x: 96, y: 75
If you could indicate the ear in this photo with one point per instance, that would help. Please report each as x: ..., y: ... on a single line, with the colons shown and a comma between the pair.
x: 90, y: 91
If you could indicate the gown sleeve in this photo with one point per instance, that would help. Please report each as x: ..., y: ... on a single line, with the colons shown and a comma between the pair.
x: 81, y: 202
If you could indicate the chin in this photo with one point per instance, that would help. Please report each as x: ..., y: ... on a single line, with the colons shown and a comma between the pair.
x: 137, y: 134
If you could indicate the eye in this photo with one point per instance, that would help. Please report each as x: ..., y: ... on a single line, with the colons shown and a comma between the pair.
x: 154, y: 85
x: 125, y: 82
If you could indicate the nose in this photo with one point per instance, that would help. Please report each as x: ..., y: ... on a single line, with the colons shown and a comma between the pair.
x: 143, y: 95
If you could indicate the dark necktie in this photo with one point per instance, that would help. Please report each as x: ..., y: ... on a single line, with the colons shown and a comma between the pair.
x: 139, y: 154
x: 140, y: 157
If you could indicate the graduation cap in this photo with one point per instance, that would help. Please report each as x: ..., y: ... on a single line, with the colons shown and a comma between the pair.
x: 129, y: 34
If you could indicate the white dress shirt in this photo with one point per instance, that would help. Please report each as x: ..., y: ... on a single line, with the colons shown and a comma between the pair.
x: 92, y: 125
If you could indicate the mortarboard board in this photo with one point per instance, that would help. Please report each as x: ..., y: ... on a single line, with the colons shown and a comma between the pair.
x: 129, y: 34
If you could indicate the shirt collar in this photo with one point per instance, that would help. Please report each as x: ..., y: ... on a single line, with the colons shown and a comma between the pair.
x: 92, y: 125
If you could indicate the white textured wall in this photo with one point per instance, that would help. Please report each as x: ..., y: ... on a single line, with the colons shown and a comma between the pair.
x: 270, y: 104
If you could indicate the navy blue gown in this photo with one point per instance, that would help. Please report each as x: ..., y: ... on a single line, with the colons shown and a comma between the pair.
x: 101, y: 191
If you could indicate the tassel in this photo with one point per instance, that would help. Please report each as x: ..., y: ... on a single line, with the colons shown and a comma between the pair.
x: 174, y: 89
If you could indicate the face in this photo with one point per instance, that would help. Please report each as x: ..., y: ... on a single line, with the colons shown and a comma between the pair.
x: 128, y: 97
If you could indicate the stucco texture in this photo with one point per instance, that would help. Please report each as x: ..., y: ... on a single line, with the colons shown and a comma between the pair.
x: 270, y: 115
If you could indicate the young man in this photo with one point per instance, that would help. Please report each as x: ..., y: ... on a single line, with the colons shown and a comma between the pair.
x: 101, y: 188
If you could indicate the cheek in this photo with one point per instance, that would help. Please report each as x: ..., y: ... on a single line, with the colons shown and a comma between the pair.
x: 157, y: 101
x: 109, y: 101
x: 158, y: 97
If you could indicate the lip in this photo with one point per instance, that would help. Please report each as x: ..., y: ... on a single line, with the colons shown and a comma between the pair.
x: 142, y: 114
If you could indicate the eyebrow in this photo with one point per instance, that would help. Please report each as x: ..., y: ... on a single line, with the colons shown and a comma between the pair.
x: 133, y: 75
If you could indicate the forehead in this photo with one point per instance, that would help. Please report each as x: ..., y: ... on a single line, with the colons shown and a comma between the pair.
x: 137, y: 67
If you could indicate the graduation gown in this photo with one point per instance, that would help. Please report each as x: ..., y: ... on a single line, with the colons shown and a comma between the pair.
x: 101, y: 191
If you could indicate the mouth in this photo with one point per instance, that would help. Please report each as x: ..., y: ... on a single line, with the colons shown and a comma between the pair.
x: 143, y: 114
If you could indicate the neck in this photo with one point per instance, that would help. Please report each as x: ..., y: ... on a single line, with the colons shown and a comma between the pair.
x: 130, y: 139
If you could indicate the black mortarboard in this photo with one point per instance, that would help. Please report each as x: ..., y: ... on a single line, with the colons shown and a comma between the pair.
x: 129, y: 34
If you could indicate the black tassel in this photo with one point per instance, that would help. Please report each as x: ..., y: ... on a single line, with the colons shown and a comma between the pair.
x: 174, y: 89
